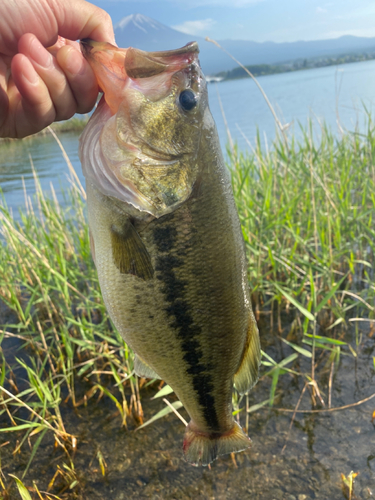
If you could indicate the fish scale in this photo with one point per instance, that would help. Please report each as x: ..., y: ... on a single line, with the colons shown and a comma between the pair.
x: 175, y: 283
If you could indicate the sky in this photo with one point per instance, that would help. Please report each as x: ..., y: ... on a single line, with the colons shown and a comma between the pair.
x: 257, y: 20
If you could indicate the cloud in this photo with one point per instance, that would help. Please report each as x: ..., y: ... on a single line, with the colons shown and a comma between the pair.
x: 321, y: 10
x: 195, y: 27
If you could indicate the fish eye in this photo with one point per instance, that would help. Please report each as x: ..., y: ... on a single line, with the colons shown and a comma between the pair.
x: 188, y: 99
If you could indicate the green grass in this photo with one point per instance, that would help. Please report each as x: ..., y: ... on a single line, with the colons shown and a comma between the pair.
x: 307, y: 211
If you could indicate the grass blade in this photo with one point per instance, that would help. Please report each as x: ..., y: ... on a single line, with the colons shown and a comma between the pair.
x: 295, y: 302
x: 299, y: 349
x: 25, y: 495
x: 164, y: 391
x: 162, y: 413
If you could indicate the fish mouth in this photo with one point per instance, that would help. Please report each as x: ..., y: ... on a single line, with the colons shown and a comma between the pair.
x: 113, y: 67
x: 138, y: 63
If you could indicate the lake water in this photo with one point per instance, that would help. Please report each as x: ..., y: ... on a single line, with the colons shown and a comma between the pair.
x: 322, y: 94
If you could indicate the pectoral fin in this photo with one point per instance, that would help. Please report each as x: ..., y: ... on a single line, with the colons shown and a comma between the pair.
x: 247, y: 374
x: 129, y: 252
x: 142, y: 369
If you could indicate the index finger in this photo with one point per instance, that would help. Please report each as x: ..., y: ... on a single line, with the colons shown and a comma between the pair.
x: 80, y: 19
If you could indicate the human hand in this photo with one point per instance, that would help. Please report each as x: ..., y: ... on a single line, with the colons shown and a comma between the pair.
x: 37, y: 85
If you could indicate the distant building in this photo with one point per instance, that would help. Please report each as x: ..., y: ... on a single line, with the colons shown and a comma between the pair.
x: 210, y: 79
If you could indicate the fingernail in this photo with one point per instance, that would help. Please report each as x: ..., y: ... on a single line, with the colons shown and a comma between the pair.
x: 39, y: 54
x: 29, y: 73
x: 74, y: 62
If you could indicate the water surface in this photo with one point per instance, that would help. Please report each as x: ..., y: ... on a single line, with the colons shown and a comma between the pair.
x: 335, y: 95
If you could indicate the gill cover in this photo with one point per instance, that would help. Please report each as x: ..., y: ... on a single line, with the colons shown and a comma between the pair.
x: 141, y: 144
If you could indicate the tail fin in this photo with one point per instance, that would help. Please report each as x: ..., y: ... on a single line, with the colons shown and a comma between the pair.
x: 202, y: 448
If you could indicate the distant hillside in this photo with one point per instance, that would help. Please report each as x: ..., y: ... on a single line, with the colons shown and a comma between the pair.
x: 145, y: 33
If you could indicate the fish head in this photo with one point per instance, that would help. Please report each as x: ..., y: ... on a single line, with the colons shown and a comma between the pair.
x: 148, y: 146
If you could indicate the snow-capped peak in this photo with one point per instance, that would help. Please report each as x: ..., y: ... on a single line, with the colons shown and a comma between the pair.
x: 139, y: 21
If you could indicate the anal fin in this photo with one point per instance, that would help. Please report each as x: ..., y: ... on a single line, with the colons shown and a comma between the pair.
x: 142, y: 369
x: 247, y: 373
x: 129, y: 252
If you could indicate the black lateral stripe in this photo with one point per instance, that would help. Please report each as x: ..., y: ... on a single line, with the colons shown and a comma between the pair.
x: 164, y: 238
x: 178, y: 308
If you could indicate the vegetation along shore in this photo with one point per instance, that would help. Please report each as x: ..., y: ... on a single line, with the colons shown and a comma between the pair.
x: 297, y: 65
x: 308, y: 218
x: 74, y: 124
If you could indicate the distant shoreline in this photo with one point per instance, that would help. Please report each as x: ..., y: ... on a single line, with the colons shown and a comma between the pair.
x: 298, y: 65
x: 75, y: 124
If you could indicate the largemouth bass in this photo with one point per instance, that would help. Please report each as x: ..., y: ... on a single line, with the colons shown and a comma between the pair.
x: 166, y: 238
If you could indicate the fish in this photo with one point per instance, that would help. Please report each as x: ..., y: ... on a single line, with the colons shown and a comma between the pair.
x: 166, y: 238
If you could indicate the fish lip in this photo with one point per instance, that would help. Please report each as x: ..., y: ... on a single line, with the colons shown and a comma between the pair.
x: 141, y: 64
x: 191, y: 47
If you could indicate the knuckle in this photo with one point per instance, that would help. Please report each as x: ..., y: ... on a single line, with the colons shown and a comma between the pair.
x: 65, y: 112
x: 85, y: 107
x: 105, y: 17
x: 37, y: 123
x: 85, y: 102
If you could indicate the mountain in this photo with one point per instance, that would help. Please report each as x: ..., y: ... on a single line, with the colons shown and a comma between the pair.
x: 145, y: 33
